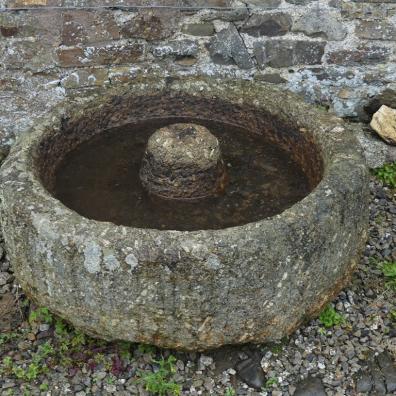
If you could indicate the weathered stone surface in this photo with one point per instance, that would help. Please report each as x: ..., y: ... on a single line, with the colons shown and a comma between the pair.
x: 310, y: 387
x: 151, y: 25
x: 284, y: 53
x: 384, y: 123
x: 180, y: 289
x: 272, y: 78
x: 376, y: 30
x: 228, y: 48
x: 321, y: 23
x: 272, y: 24
x: 183, y: 161
x: 232, y: 15
x: 379, y: 377
x: 8, y: 31
x: 28, y: 55
x: 386, y: 97
x: 251, y: 373
x: 376, y: 151
x: 199, y: 29
x: 176, y: 48
x: 359, y: 56
x: 300, y: 2
x: 31, y: 40
x: 113, y: 53
x: 388, y: 369
x: 87, y: 27
x: 364, y: 383
x: 263, y: 4
x: 85, y: 78
x: 10, y: 313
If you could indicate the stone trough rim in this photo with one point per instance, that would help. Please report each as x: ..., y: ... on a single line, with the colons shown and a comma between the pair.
x: 38, y: 131
x: 345, y: 158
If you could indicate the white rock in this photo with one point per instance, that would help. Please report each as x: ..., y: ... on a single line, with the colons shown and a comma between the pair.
x: 205, y: 360
x: 384, y: 123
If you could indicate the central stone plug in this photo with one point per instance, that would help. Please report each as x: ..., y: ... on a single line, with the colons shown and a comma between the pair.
x: 183, y: 161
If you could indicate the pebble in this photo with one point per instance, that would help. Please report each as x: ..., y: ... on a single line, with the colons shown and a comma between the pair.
x: 205, y: 361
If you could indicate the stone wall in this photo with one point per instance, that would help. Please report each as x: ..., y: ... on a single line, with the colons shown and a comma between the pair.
x: 341, y: 54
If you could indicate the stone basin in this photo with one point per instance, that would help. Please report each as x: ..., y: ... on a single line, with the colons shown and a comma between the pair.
x: 190, y: 290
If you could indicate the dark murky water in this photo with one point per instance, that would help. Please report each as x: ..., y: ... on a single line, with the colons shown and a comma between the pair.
x: 100, y: 180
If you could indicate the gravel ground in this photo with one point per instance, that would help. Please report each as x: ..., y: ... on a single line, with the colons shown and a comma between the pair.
x: 41, y: 355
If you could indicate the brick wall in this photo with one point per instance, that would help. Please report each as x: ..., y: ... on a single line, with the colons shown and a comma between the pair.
x: 341, y: 54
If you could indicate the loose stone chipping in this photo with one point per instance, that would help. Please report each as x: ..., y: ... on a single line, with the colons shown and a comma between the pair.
x: 189, y: 290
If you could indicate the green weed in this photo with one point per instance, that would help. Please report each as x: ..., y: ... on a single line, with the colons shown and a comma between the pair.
x: 387, y: 174
x: 230, y: 392
x: 388, y: 269
x: 40, y: 315
x: 161, y: 381
x: 329, y: 317
x: 7, y: 337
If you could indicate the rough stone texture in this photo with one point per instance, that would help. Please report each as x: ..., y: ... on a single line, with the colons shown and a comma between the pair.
x: 384, y: 123
x: 227, y: 48
x: 359, y: 56
x: 310, y: 387
x: 376, y: 151
x: 190, y: 290
x: 183, y: 161
x: 284, y: 53
x: 199, y: 29
x: 274, y: 24
x: 321, y: 23
x: 50, y: 55
x: 176, y: 48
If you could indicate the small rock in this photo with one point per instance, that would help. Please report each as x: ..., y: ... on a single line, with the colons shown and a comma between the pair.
x: 388, y: 370
x: 44, y: 327
x: 110, y: 388
x: 364, y: 383
x: 251, y: 373
x: 8, y: 385
x: 4, y: 278
x: 310, y: 387
x: 100, y: 375
x: 228, y: 48
x: 205, y: 361
x: 199, y: 29
x: 384, y: 123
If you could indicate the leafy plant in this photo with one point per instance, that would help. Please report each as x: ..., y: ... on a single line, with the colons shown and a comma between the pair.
x: 230, y: 392
x: 388, y: 269
x: 271, y: 382
x: 61, y: 328
x: 145, y: 348
x: 387, y: 174
x: 44, y: 387
x: 40, y: 315
x: 161, y: 381
x: 7, y: 337
x: 330, y: 317
x: 124, y: 348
